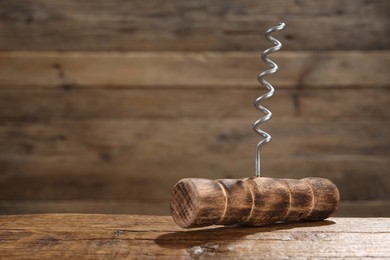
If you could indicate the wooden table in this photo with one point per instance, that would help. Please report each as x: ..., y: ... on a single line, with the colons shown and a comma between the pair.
x: 73, y: 236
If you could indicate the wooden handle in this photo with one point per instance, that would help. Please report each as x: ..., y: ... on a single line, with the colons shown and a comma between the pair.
x: 252, y: 201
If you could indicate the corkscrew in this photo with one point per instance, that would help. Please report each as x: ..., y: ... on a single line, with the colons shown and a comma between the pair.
x: 254, y: 201
x: 271, y: 91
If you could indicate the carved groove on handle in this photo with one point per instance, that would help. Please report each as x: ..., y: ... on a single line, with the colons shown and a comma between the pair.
x: 226, y: 201
x: 312, y: 198
x: 289, y: 198
x: 253, y: 201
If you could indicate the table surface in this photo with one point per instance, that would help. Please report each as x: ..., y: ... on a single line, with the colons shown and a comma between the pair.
x: 90, y: 236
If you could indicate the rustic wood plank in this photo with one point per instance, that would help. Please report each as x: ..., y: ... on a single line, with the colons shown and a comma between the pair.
x: 180, y: 25
x: 227, y: 137
x: 38, y: 90
x: 124, y: 236
x: 159, y: 206
x: 36, y: 104
x: 184, y: 70
x: 364, y: 208
x: 359, y: 178
x: 107, y: 158
x: 135, y: 206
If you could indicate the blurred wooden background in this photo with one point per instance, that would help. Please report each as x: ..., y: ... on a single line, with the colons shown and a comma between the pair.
x: 105, y: 105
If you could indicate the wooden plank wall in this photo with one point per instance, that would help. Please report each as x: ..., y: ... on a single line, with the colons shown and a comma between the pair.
x: 104, y: 105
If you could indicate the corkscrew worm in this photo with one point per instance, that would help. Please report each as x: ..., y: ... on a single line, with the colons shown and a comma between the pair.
x: 271, y: 91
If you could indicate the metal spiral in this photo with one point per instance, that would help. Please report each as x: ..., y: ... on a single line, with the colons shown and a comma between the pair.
x: 270, y: 93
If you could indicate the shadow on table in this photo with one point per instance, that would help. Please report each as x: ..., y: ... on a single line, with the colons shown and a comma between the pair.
x: 213, y: 236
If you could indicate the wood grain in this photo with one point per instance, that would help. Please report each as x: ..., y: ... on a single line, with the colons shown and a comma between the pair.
x: 127, y: 236
x: 186, y: 70
x: 138, y: 138
x: 159, y: 206
x: 360, y: 178
x: 186, y: 26
x: 37, y: 104
x: 113, y: 156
